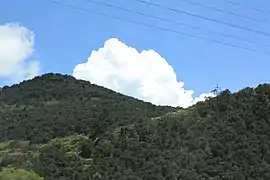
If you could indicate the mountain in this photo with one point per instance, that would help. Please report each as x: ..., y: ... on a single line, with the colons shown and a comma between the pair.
x: 53, y: 106
x: 57, y: 127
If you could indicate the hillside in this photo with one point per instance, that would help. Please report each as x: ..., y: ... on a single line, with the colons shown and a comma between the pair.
x: 62, y: 128
x: 53, y: 106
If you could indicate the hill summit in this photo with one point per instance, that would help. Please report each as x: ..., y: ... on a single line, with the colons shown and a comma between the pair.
x: 61, y: 128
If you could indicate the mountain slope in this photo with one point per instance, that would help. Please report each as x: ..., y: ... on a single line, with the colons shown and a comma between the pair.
x: 54, y: 105
x: 74, y: 130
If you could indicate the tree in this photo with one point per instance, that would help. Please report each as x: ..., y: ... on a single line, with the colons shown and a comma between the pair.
x: 216, y: 90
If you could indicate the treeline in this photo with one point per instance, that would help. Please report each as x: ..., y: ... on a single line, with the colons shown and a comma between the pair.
x: 73, y: 130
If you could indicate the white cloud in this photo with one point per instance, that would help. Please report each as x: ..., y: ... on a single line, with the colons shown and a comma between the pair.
x: 16, y: 49
x: 144, y: 75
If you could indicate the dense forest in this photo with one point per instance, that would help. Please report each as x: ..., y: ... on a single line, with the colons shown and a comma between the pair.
x: 55, y: 127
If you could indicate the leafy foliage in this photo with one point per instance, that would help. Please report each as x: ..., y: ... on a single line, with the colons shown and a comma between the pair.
x: 63, y: 128
x: 55, y: 106
x: 18, y: 174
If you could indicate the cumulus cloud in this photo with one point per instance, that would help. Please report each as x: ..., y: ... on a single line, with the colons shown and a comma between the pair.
x: 144, y: 75
x: 16, y: 49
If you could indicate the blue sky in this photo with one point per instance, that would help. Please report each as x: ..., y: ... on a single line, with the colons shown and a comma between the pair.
x: 65, y: 37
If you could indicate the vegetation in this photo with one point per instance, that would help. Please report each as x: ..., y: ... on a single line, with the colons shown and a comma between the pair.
x: 18, y: 174
x: 66, y: 129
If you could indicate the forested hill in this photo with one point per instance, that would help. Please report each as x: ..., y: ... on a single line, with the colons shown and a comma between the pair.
x: 55, y: 127
x: 54, y: 105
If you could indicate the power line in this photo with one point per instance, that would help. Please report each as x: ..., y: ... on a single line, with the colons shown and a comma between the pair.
x: 158, y: 27
x: 205, y: 18
x: 226, y: 12
x: 247, y: 7
x: 175, y: 22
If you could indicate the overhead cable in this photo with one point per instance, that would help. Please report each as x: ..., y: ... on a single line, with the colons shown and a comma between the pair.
x: 205, y: 18
x: 176, y: 22
x: 227, y: 12
x: 158, y: 27
x: 247, y: 7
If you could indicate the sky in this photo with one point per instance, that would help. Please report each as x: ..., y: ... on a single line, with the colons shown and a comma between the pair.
x: 165, y: 67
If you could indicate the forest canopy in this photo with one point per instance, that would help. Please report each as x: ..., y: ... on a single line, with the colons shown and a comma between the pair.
x: 57, y: 127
